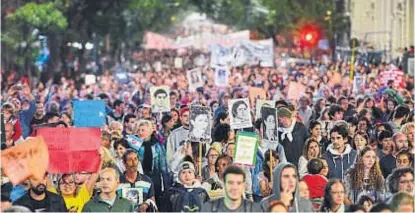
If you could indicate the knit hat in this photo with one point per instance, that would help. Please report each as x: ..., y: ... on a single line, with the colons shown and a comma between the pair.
x: 187, y: 165
x: 284, y: 112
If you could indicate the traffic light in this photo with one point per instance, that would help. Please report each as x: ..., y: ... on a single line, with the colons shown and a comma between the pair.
x: 309, y: 35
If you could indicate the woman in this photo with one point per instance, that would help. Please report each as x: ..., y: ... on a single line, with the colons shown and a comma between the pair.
x: 120, y: 147
x: 365, y: 177
x: 334, y: 196
x: 366, y: 201
x: 408, y: 129
x: 199, y: 126
x: 76, y: 199
x: 213, y: 153
x: 265, y: 175
x: 174, y: 113
x: 311, y: 150
x: 153, y: 155
x: 360, y: 141
x: 269, y: 127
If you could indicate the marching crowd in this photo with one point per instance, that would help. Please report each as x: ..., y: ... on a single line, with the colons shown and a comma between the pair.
x: 339, y: 149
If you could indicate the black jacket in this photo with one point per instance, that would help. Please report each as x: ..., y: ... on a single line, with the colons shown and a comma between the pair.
x: 293, y: 149
x: 54, y: 202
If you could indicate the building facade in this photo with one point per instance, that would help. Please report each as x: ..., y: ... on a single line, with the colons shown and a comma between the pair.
x: 383, y: 24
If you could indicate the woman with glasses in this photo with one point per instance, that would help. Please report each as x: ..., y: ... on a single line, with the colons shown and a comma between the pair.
x: 365, y: 177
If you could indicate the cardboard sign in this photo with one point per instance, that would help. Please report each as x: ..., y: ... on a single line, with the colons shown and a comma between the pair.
x: 358, y: 83
x: 89, y: 113
x: 200, y: 124
x: 295, y: 90
x: 160, y: 99
x: 178, y: 63
x: 25, y: 160
x: 240, y: 113
x: 90, y: 79
x: 245, y: 148
x: 72, y: 149
x: 256, y: 93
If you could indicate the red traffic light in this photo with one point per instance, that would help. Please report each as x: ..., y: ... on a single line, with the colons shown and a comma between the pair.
x: 309, y: 35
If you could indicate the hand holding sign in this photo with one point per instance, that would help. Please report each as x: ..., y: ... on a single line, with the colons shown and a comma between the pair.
x: 25, y: 160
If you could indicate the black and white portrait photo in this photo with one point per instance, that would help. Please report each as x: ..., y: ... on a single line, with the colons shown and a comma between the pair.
x: 240, y: 113
x: 200, y: 124
x: 269, y: 124
x: 160, y: 99
x: 194, y: 78
x: 135, y: 195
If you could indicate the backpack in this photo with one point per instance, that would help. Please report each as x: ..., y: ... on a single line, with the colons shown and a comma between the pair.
x: 188, y: 201
x: 216, y: 203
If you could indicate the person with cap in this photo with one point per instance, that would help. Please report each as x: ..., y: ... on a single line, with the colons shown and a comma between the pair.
x: 291, y: 135
x: 177, y: 136
x: 187, y: 194
x: 234, y: 186
x: 285, y: 188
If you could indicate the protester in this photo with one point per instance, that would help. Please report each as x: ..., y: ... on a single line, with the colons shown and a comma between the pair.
x: 177, y: 136
x: 39, y: 199
x: 402, y: 202
x: 401, y: 179
x: 365, y: 177
x: 286, y: 189
x: 334, y: 196
x: 311, y: 150
x: 234, y: 186
x: 107, y: 200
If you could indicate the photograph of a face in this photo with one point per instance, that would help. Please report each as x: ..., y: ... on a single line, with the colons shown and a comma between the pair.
x: 135, y: 195
x: 269, y: 124
x: 240, y: 113
x: 160, y: 99
x: 200, y: 124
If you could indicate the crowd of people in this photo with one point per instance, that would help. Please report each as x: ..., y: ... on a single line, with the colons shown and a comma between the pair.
x: 338, y: 148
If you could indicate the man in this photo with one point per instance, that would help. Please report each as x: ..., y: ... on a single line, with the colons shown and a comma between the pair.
x: 9, y: 132
x: 133, y: 179
x: 129, y: 121
x: 286, y: 189
x: 401, y: 179
x: 223, y: 106
x: 339, y: 155
x: 144, y: 111
x: 174, y: 100
x: 291, y: 135
x: 388, y: 162
x: 399, y: 116
x: 39, y: 116
x: 118, y: 112
x: 346, y: 107
x: 305, y: 111
x: 177, y: 136
x: 385, y: 143
x: 38, y: 199
x: 233, y: 201
x: 186, y: 194
x: 404, y: 159
x: 160, y: 97
x: 336, y: 112
x: 107, y: 200
x: 51, y: 117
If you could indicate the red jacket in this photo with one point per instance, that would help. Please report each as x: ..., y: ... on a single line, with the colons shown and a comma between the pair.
x: 316, y: 184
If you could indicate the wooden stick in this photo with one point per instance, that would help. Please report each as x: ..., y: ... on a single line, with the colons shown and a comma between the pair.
x: 270, y: 162
x: 200, y: 159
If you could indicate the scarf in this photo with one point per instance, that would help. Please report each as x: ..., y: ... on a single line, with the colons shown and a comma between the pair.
x: 148, y: 154
x: 287, y: 132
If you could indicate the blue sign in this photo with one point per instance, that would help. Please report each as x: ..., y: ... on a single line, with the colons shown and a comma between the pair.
x: 89, y: 113
x: 134, y: 142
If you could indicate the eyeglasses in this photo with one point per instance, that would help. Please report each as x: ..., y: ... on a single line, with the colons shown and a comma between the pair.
x: 66, y: 183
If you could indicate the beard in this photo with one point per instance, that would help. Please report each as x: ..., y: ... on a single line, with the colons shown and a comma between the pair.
x: 39, y: 189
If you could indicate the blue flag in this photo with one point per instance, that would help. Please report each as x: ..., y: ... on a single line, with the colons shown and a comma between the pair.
x: 134, y: 142
x: 90, y: 113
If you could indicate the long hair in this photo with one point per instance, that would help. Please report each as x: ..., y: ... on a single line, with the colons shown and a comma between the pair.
x: 327, y: 200
x: 266, y: 169
x: 306, y: 147
x: 357, y: 172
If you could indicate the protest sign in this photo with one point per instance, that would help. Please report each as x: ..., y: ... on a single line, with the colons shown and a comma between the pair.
x: 195, y: 80
x: 269, y: 124
x: 27, y: 159
x: 178, y: 63
x: 157, y: 41
x: 411, y: 66
x: 134, y: 142
x: 160, y: 99
x: 221, y: 76
x: 240, y: 113
x: 262, y: 103
x: 295, y: 90
x: 200, y: 124
x: 358, y: 83
x: 90, y: 79
x: 396, y: 75
x: 256, y: 93
x: 89, y: 113
x: 72, y: 149
x: 135, y: 195
x: 246, y: 148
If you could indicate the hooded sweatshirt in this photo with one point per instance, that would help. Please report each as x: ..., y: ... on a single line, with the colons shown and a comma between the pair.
x: 299, y: 204
x: 339, y: 163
